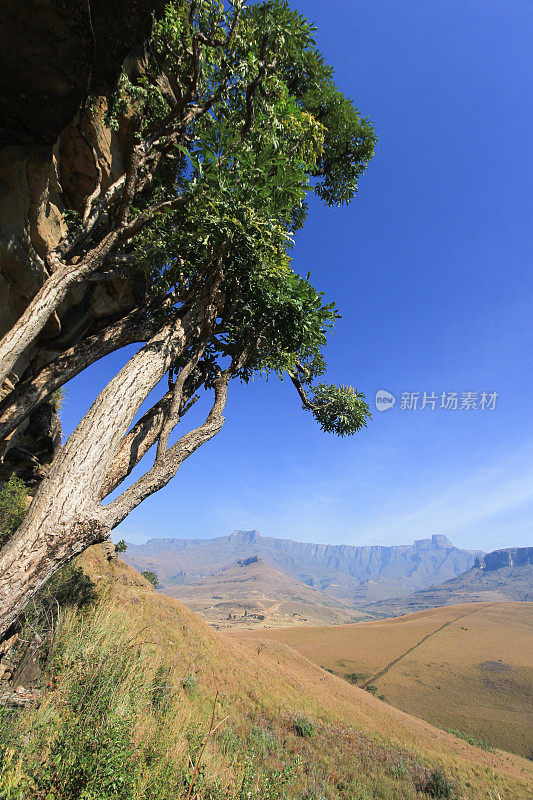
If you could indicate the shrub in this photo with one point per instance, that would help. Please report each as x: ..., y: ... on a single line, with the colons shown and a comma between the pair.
x: 473, y: 740
x: 355, y: 677
x: 161, y: 694
x: 372, y: 689
x: 229, y: 740
x: 70, y: 586
x: 190, y: 684
x: 90, y: 758
x: 121, y: 546
x: 304, y: 727
x: 13, y: 505
x: 263, y: 740
x: 151, y: 577
x: 437, y: 785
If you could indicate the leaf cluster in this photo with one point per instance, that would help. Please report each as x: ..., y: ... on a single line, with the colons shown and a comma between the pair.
x: 13, y: 505
x: 340, y: 409
x: 272, y: 128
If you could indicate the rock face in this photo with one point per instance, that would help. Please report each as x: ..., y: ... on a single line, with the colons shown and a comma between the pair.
x: 358, y: 574
x: 509, y: 557
x: 54, y: 55
x: 495, y: 577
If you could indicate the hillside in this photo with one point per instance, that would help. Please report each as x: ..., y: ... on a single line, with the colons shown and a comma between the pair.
x: 357, y: 574
x: 467, y: 668
x: 251, y: 594
x: 498, y: 576
x: 362, y: 747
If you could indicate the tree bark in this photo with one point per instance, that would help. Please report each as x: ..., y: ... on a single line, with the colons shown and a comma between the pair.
x: 30, y: 324
x: 65, y: 515
x: 167, y: 464
x: 29, y: 394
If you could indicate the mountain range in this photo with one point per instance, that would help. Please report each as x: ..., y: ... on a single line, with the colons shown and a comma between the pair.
x: 495, y: 577
x: 358, y: 575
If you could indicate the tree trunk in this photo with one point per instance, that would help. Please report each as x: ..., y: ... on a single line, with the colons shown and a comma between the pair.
x: 19, y: 404
x: 32, y: 558
x: 65, y: 516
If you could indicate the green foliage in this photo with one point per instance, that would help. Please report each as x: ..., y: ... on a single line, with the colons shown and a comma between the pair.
x: 243, y: 175
x: 372, y: 689
x: 13, y: 504
x: 162, y: 693
x: 304, y: 727
x: 437, y: 785
x: 263, y: 741
x: 190, y: 684
x: 72, y: 218
x: 89, y: 761
x: 355, y: 677
x: 121, y: 546
x: 151, y: 577
x: 473, y: 740
x: 69, y: 586
x: 340, y: 409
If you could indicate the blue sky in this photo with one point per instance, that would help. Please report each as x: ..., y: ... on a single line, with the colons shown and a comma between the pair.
x: 431, y: 269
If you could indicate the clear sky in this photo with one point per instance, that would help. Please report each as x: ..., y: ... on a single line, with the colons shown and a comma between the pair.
x: 431, y: 269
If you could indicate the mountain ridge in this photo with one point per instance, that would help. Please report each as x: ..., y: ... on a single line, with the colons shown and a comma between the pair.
x: 251, y: 594
x: 354, y: 573
x: 500, y: 576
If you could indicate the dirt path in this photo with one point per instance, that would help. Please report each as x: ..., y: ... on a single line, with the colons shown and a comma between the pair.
x: 388, y: 666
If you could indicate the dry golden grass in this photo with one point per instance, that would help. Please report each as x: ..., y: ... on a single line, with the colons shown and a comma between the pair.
x: 268, y: 678
x: 257, y: 596
x: 467, y: 668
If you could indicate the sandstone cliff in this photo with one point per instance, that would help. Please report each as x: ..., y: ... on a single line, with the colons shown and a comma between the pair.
x: 59, y: 59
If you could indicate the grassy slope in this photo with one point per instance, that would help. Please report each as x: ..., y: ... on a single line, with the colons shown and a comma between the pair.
x: 470, y: 669
x: 270, y: 680
x: 260, y: 591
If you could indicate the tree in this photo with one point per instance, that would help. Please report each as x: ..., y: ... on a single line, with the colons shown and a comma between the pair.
x: 151, y: 577
x: 234, y: 119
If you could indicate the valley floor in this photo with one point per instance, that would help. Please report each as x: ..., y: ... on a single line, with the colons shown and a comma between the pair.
x: 467, y: 668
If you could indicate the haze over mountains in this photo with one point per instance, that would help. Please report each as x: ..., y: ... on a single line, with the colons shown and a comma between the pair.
x: 249, y: 593
x: 495, y: 577
x: 356, y: 574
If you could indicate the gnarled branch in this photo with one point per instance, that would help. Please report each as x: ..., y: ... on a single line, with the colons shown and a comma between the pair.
x: 30, y: 393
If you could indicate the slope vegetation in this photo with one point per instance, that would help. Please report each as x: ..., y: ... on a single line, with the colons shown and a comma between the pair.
x: 145, y: 700
x: 467, y: 668
x: 251, y: 594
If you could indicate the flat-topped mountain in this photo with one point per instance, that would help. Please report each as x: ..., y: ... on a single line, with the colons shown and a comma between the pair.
x: 498, y: 576
x: 355, y: 574
x: 251, y: 594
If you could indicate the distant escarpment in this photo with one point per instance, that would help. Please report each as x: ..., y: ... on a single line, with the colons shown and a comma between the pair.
x: 508, y: 557
x: 356, y: 574
x: 498, y: 576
